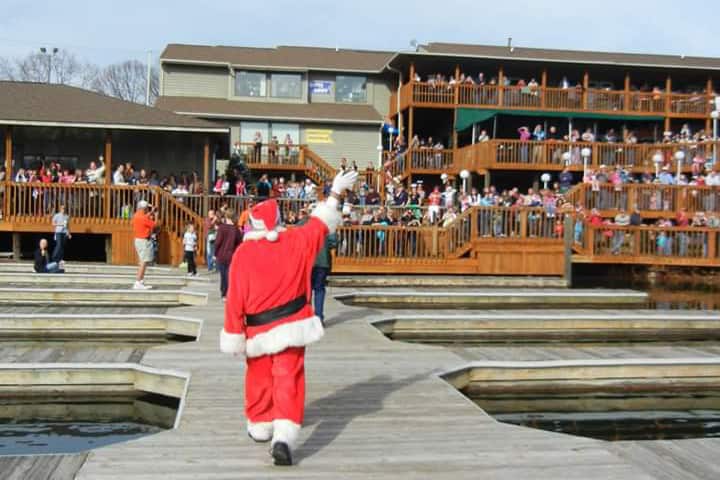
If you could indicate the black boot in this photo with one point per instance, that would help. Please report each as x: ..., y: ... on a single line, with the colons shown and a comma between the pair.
x: 281, y: 454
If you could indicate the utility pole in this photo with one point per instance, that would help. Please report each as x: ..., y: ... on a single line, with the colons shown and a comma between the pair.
x: 49, y: 56
x: 147, y: 86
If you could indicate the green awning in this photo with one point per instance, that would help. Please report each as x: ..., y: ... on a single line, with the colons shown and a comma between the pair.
x: 466, y: 117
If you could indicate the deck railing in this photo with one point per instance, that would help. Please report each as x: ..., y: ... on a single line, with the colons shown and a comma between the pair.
x: 558, y: 99
x: 271, y: 155
x: 654, y: 245
x: 653, y: 200
x: 550, y: 154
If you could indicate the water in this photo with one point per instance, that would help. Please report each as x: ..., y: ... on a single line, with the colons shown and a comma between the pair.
x: 39, y: 438
x: 65, y: 425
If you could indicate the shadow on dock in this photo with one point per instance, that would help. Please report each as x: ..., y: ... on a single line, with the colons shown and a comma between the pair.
x: 331, y: 414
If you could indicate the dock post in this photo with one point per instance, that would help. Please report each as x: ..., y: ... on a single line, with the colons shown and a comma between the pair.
x: 568, y: 231
x: 16, y: 246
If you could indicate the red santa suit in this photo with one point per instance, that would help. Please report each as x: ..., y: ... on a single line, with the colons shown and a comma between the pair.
x: 270, y: 319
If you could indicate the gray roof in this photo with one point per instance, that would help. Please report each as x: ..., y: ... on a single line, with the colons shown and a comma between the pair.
x: 303, y: 58
x: 28, y: 103
x: 309, y: 112
x: 570, y: 56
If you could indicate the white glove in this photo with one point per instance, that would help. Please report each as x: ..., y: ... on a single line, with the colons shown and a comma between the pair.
x: 344, y: 181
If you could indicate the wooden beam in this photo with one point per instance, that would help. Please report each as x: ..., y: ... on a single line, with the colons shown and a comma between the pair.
x: 543, y: 86
x: 501, y: 84
x: 107, y: 157
x: 668, y: 91
x: 206, y: 165
x: 411, y: 133
x: 586, y: 86
x: 457, y: 72
x: 627, y: 92
x: 8, y: 152
x: 412, y: 72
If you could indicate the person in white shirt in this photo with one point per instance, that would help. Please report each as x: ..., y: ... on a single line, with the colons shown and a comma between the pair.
x: 483, y: 137
x: 189, y: 247
x: 119, y: 175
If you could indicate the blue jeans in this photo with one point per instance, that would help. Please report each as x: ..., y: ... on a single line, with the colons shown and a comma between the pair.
x: 317, y: 281
x: 209, y: 255
x: 59, y: 250
x: 53, y: 267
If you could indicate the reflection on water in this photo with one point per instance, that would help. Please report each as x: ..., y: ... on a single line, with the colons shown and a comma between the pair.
x: 58, y: 437
x: 62, y: 425
x: 623, y: 425
x: 668, y: 294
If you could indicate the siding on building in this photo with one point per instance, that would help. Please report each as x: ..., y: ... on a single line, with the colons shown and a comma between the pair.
x: 358, y: 143
x: 195, y: 81
x: 381, y: 95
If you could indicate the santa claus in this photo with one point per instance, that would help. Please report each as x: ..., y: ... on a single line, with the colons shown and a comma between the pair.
x: 270, y: 320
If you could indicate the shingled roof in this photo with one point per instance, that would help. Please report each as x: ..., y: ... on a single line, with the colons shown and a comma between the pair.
x: 571, y: 56
x: 28, y: 103
x: 303, y: 58
x: 308, y: 112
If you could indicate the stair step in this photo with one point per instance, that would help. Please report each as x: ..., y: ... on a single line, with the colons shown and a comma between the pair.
x: 443, y: 281
x: 90, y: 280
x: 95, y: 297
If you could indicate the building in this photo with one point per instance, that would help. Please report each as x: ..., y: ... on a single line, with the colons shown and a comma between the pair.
x: 332, y: 100
x: 335, y: 101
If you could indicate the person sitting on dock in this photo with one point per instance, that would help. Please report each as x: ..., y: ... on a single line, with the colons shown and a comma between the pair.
x: 269, y: 317
x: 42, y: 260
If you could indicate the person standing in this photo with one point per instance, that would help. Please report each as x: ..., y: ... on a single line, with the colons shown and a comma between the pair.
x: 143, y: 226
x: 62, y: 234
x: 211, y: 223
x: 320, y: 272
x: 228, y: 238
x: 189, y: 247
x: 269, y: 319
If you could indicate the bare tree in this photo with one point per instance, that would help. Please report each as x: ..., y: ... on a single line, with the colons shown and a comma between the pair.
x: 128, y: 81
x: 60, y: 67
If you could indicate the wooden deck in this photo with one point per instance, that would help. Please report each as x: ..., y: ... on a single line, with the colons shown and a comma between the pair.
x: 376, y: 409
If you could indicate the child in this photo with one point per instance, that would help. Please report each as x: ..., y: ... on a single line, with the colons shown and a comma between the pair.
x: 189, y: 246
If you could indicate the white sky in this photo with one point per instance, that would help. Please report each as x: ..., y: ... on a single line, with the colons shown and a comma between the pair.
x: 106, y: 31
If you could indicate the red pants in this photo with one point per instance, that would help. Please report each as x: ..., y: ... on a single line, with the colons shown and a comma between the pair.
x: 275, y: 387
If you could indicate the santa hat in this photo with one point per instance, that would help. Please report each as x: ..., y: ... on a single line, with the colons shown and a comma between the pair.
x: 264, y: 217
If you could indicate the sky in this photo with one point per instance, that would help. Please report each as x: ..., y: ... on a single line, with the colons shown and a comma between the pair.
x: 103, y: 31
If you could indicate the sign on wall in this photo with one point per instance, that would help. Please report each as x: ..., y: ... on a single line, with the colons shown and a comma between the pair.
x: 320, y: 87
x: 318, y: 136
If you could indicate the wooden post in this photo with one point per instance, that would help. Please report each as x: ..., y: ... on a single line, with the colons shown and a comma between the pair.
x: 412, y: 72
x: 543, y: 87
x: 626, y: 106
x: 108, y: 171
x: 8, y: 170
x: 411, y: 120
x: 668, y: 93
x: 16, y: 246
x: 501, y: 86
x: 568, y: 233
x: 586, y: 86
x: 711, y: 106
x: 457, y: 85
x: 206, y: 165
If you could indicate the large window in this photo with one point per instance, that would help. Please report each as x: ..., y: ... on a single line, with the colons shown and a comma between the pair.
x: 286, y: 85
x: 250, y: 84
x: 351, y: 89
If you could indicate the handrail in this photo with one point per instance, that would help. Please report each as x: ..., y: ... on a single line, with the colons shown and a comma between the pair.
x: 317, y: 169
x: 555, y: 99
x: 653, y: 199
x: 692, y: 246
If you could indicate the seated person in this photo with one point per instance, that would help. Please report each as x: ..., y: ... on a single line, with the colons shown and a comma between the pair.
x: 42, y: 260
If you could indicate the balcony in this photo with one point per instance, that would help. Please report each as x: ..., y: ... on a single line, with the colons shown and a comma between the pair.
x: 573, y: 99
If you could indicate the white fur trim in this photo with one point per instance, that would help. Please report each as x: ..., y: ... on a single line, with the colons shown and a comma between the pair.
x: 261, y: 431
x: 294, y: 334
x: 257, y: 223
x: 272, y: 236
x: 286, y: 431
x: 260, y: 234
x: 328, y: 215
x: 232, y: 343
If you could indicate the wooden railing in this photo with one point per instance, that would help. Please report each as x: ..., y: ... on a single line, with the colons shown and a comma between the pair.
x: 271, y: 155
x: 531, y: 155
x: 317, y: 169
x: 430, y: 159
x: 556, y: 99
x: 653, y: 200
x: 651, y: 245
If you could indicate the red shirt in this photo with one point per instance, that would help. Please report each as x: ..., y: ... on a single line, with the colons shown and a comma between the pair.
x: 142, y: 225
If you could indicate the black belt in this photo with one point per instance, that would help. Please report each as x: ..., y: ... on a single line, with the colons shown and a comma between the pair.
x: 277, y: 313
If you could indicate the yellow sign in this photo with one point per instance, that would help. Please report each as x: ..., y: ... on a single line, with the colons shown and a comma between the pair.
x: 318, y: 136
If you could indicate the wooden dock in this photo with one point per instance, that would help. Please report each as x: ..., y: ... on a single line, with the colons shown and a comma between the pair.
x: 375, y: 409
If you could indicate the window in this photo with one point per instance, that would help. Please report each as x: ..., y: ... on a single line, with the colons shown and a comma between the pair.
x: 286, y: 85
x: 281, y: 130
x: 250, y: 84
x: 351, y: 89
